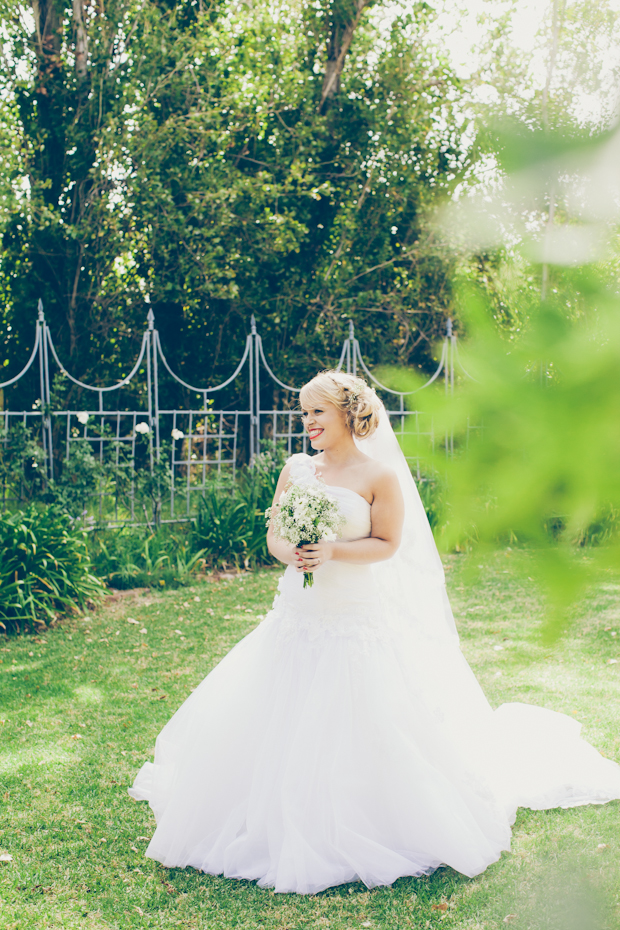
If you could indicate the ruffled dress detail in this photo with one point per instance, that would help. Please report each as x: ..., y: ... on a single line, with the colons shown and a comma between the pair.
x: 336, y: 742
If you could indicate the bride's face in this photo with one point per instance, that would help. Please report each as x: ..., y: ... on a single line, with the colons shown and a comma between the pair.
x: 325, y: 426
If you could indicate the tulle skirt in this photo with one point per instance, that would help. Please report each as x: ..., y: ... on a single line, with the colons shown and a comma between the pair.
x: 330, y: 746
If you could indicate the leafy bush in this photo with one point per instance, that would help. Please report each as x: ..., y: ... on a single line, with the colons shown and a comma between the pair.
x: 599, y: 532
x: 22, y: 463
x: 150, y: 483
x: 229, y: 530
x: 220, y: 526
x: 230, y: 524
x: 431, y: 495
x: 44, y: 568
x: 80, y: 478
x: 257, y: 487
x: 137, y: 558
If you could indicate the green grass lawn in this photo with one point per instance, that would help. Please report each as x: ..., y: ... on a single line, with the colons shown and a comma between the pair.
x: 82, y: 704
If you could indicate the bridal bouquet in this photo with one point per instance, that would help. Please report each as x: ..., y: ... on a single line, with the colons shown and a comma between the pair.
x: 305, y: 514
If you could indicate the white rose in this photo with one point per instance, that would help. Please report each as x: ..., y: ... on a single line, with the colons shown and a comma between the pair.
x: 82, y: 417
x: 177, y: 434
x: 142, y: 428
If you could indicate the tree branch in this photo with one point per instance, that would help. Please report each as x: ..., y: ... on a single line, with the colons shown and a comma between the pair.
x: 337, y: 49
x: 81, y: 47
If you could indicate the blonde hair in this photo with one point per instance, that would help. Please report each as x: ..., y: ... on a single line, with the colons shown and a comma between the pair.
x: 349, y: 394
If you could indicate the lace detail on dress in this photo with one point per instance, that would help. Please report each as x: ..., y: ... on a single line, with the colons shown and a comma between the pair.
x: 326, y: 617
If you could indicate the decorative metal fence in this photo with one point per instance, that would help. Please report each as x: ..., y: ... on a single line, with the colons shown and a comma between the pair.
x: 179, y: 449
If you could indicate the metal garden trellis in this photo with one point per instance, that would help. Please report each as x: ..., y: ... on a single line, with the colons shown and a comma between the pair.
x: 203, y: 437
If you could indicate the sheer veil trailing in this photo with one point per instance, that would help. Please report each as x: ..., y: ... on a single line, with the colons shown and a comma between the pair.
x: 526, y: 756
x: 414, y: 577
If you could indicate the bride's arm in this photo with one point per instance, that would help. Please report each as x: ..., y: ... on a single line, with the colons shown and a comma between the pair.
x: 387, y: 514
x: 282, y: 550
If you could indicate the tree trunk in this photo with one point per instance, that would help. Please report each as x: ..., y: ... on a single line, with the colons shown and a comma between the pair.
x: 338, y: 46
x: 81, y: 48
x: 49, y: 90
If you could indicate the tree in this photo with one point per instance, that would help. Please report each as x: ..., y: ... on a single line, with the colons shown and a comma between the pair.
x: 318, y: 211
x: 61, y: 241
x: 564, y: 86
x: 227, y: 160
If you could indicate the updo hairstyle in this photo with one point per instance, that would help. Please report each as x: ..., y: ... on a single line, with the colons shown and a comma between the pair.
x: 349, y: 394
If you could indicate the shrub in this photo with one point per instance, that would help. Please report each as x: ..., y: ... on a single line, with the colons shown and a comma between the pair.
x: 257, y: 487
x: 80, y: 478
x: 22, y: 463
x: 432, y: 496
x: 136, y: 557
x: 230, y: 523
x: 228, y: 530
x: 44, y: 568
x: 221, y: 525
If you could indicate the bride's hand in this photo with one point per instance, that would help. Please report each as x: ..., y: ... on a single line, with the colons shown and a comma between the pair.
x: 312, y: 555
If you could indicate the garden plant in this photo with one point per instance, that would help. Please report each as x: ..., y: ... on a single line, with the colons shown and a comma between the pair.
x: 45, y: 569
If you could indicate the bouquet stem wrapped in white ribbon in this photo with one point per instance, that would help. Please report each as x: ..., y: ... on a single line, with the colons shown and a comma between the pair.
x: 306, y: 514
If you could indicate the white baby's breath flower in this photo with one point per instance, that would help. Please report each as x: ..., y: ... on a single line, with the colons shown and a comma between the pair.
x: 142, y: 428
x: 82, y: 417
x: 306, y: 513
x: 177, y: 434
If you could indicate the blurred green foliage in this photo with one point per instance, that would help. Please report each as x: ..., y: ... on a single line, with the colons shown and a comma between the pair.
x: 534, y: 418
x: 542, y: 465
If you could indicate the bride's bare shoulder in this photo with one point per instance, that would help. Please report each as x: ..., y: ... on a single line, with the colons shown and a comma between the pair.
x: 380, y: 475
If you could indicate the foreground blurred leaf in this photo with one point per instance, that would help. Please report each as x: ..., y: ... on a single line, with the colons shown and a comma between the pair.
x: 542, y: 468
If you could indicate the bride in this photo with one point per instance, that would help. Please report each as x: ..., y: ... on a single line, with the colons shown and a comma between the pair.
x: 346, y: 737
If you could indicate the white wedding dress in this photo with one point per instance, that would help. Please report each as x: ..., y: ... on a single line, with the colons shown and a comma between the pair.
x: 346, y: 738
